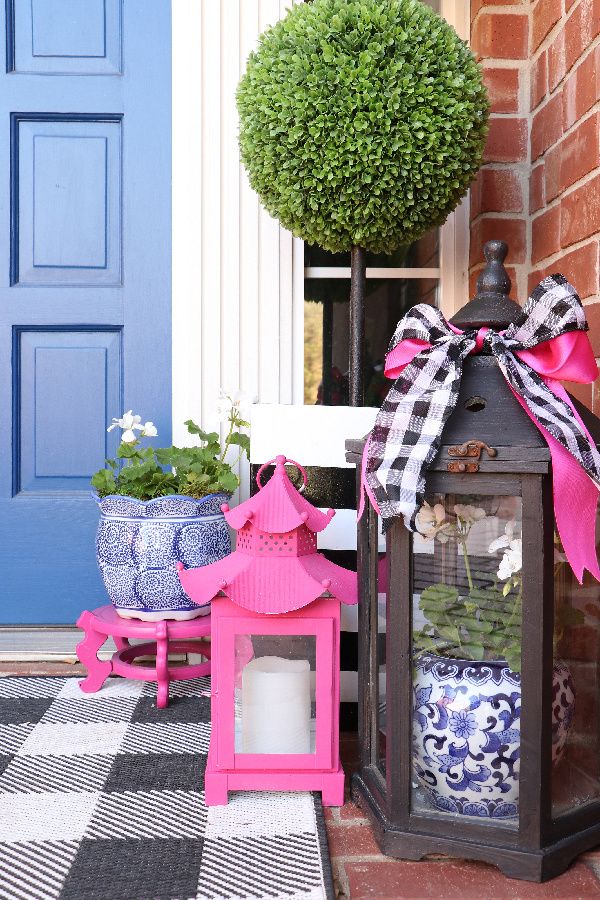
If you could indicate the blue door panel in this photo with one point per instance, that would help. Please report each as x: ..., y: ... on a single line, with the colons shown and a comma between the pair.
x: 67, y: 212
x: 52, y: 574
x: 69, y: 382
x: 66, y: 36
x: 85, y: 278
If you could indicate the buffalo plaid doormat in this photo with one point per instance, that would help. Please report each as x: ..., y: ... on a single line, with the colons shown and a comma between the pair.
x: 102, y: 796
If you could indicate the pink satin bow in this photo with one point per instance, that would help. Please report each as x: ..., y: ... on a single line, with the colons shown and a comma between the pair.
x: 568, y: 357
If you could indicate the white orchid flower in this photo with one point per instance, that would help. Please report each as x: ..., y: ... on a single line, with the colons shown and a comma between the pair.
x: 431, y: 522
x: 149, y: 430
x: 511, y: 561
x: 504, y: 540
x: 469, y: 514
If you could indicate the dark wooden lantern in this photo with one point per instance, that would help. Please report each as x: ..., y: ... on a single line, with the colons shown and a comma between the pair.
x: 460, y: 753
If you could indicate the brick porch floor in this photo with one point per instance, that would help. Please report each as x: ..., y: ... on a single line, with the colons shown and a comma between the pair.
x: 360, y: 871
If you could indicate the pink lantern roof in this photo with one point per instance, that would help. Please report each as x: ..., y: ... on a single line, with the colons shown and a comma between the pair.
x: 276, y: 567
x: 278, y: 506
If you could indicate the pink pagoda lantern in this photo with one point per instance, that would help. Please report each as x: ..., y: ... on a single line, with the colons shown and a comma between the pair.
x: 275, y: 648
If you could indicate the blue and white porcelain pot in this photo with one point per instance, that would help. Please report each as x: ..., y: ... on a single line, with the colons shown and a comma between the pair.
x: 467, y: 732
x: 139, y: 542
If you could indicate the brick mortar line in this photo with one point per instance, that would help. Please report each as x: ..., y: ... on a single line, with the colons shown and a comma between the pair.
x: 508, y: 216
x: 581, y: 182
x: 558, y: 25
x: 576, y: 66
x: 557, y: 256
x: 501, y: 62
x: 501, y: 9
x: 509, y: 115
x: 339, y: 870
x: 595, y: 108
x: 549, y: 94
x: 499, y: 166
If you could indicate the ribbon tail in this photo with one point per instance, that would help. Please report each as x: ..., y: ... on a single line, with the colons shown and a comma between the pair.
x: 575, y: 494
x: 364, y: 485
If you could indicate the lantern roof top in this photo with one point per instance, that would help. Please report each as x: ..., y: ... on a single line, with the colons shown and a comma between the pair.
x: 491, y: 306
x: 278, y: 506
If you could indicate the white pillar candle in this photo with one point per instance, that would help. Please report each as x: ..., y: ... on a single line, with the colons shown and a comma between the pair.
x: 276, y: 705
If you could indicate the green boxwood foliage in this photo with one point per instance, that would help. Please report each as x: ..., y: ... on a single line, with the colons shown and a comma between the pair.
x: 362, y: 122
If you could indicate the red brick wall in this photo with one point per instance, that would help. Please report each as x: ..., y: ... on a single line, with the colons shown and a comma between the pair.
x: 539, y: 188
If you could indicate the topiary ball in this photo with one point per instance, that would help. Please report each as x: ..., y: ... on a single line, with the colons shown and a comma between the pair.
x: 362, y: 122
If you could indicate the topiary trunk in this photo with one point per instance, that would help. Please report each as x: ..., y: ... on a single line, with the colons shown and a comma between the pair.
x: 357, y: 324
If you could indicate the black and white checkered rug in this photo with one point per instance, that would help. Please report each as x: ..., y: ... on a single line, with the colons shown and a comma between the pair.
x: 102, y: 796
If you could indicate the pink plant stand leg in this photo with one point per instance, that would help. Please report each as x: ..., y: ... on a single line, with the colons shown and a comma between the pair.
x: 162, y: 665
x: 160, y: 638
x: 87, y: 650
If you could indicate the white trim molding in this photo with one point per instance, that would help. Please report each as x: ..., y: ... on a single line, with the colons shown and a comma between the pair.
x: 238, y: 277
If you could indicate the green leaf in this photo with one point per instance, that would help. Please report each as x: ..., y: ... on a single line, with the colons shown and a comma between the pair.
x: 104, y: 482
x: 210, y: 437
x: 241, y: 440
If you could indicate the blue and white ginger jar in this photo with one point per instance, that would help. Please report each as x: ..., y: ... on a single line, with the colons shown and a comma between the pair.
x: 139, y: 542
x: 467, y: 732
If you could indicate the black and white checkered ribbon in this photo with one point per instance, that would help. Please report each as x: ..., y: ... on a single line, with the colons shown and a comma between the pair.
x: 408, y: 429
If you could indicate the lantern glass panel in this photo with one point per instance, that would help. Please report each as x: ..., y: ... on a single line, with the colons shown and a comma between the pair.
x: 275, y: 702
x: 466, y: 628
x: 575, y: 689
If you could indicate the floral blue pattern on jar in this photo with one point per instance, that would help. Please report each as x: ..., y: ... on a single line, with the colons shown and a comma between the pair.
x: 139, y: 542
x: 467, y: 732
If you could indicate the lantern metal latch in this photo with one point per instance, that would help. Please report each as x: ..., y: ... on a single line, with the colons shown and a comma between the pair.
x: 472, y: 450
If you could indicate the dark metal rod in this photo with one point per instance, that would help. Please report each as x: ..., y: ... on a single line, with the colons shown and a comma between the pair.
x: 357, y: 323
x: 327, y: 350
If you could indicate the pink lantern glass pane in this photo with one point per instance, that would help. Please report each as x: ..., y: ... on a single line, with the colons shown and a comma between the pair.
x: 275, y: 700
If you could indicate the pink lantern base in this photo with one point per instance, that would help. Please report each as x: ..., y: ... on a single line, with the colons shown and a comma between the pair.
x: 217, y: 783
x: 159, y: 638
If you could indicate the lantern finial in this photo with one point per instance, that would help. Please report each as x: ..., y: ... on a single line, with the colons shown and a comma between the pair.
x: 491, y: 306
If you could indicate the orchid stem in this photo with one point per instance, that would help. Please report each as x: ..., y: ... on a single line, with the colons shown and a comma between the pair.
x: 463, y: 542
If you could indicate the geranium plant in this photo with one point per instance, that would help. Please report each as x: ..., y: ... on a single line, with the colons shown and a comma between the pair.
x: 482, y: 621
x: 145, y: 472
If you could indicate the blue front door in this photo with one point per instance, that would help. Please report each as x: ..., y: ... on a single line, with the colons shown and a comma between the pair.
x: 85, y: 278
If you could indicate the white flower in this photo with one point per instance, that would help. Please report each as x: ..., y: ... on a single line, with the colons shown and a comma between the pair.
x: 149, y: 430
x: 504, y: 540
x: 128, y: 422
x: 239, y: 401
x: 511, y: 561
x: 469, y: 514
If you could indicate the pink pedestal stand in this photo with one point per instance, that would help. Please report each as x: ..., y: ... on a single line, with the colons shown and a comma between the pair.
x: 159, y: 638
